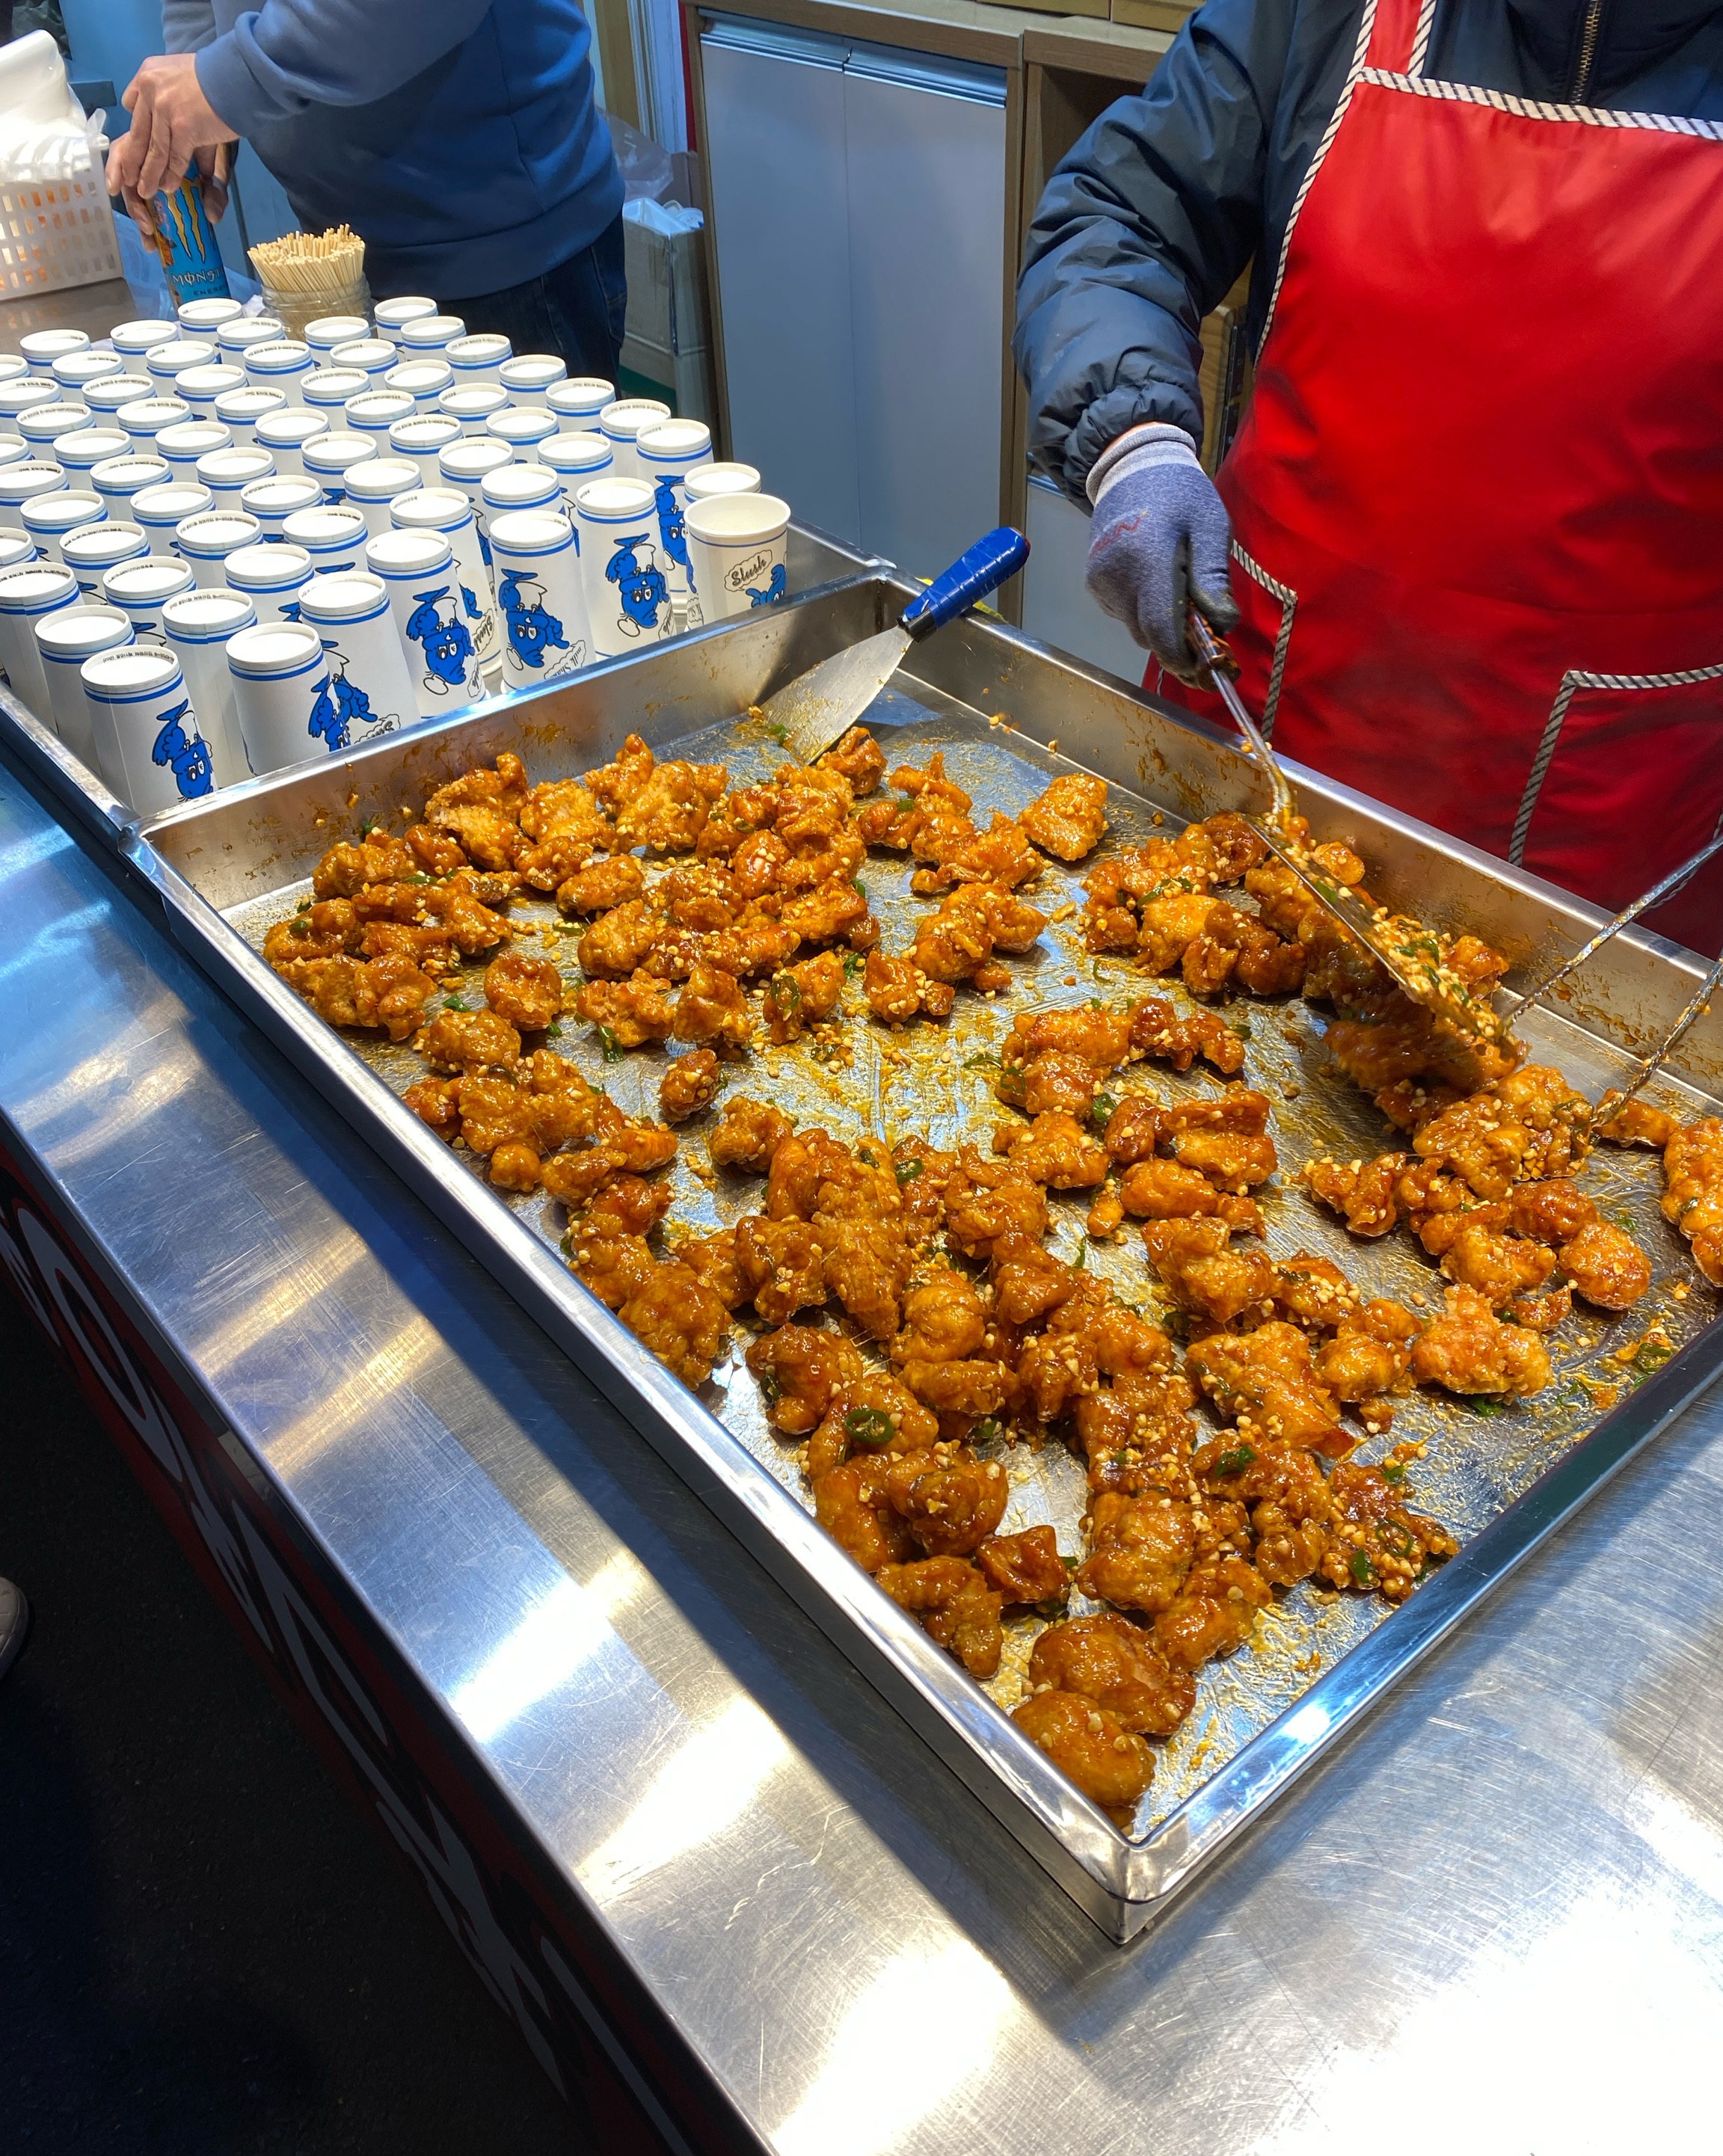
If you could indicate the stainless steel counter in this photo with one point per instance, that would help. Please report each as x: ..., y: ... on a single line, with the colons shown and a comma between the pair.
x: 1497, y: 1912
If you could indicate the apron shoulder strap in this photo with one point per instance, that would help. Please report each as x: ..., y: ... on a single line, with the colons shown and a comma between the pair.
x: 1395, y: 34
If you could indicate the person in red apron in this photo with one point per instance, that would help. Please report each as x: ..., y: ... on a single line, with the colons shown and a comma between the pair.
x: 1476, y: 505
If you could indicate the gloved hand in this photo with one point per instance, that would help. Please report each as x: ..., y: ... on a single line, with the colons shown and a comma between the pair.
x: 1160, y: 540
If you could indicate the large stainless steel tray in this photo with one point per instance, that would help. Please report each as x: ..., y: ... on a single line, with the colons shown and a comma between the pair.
x: 223, y: 869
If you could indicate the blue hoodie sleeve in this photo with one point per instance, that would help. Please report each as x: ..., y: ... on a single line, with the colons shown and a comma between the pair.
x: 291, y: 55
x: 1143, y: 229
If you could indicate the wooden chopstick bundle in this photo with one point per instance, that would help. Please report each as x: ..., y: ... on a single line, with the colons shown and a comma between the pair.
x: 311, y: 261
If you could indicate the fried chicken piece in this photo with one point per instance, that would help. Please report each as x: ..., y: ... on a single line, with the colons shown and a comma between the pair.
x: 1314, y: 1292
x: 1530, y: 1128
x: 527, y: 992
x: 799, y: 1369
x: 712, y: 1007
x: 1110, y: 1660
x: 711, y: 1259
x: 436, y: 1101
x: 1070, y: 819
x: 1362, y: 1191
x: 1370, y: 1353
x: 898, y: 990
x: 428, y: 947
x: 1028, y: 1281
x: 985, y: 1199
x: 689, y: 1085
x: 1606, y: 1265
x: 1551, y: 1213
x: 1265, y: 1381
x: 325, y: 931
x: 930, y: 788
x: 1097, y: 1036
x: 922, y: 1173
x: 850, y: 1504
x: 1542, y: 1313
x: 466, y: 918
x: 1375, y: 1542
x: 617, y: 942
x: 967, y: 1391
x: 1163, y: 1190
x: 572, y: 1178
x: 799, y: 1164
x: 346, y: 869
x: 1214, y: 1612
x: 1091, y: 1746
x: 747, y: 1134
x: 781, y: 1266
x: 1500, y: 1268
x: 1291, y: 1511
x: 959, y: 854
x: 1204, y: 1274
x: 831, y: 910
x: 469, y: 1040
x: 1231, y: 1161
x: 1636, y: 1123
x: 955, y: 1604
x: 562, y: 809
x: 617, y: 783
x: 1157, y: 1030
x: 957, y: 943
x: 668, y: 811
x: 629, y: 1206
x: 434, y: 853
x: 1693, y: 1193
x: 564, y: 1106
x: 859, y: 1219
x: 683, y: 1325
x: 860, y: 759
x: 614, y: 1267
x: 875, y: 1414
x: 1025, y: 1569
x: 951, y: 1500
x: 633, y: 1013
x: 944, y: 1320
x: 639, y: 1144
x: 482, y: 808
x: 494, y: 1110
x: 801, y: 996
x: 1468, y: 1350
x: 605, y: 884
x: 1141, y: 1549
x: 515, y: 1167
x: 1133, y: 1131
x: 1058, y: 1150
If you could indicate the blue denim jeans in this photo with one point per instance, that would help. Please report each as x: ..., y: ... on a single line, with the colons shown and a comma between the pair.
x: 576, y: 310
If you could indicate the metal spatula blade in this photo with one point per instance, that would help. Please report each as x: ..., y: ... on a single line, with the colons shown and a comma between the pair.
x: 821, y: 705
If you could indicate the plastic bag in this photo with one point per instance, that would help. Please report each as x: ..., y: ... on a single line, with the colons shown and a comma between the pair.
x: 44, y: 134
x: 648, y: 174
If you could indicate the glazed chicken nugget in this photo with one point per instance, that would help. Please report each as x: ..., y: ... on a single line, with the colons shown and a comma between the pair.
x: 527, y: 992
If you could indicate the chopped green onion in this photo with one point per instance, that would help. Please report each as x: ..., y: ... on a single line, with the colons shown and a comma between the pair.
x: 771, y: 1389
x: 1395, y: 1474
x: 1235, y: 1461
x: 859, y: 888
x: 985, y: 1431
x: 1651, y: 1355
x: 553, y: 1031
x: 1361, y: 1569
x: 982, y: 1062
x: 908, y: 1170
x: 454, y: 1003
x: 778, y: 733
x: 609, y: 1044
x: 1483, y: 1404
x: 1103, y: 1110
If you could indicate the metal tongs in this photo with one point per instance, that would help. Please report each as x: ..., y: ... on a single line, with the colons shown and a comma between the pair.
x: 1414, y: 971
x: 1465, y: 1013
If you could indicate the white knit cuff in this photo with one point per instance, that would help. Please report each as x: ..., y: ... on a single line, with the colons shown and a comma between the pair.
x: 1155, y: 443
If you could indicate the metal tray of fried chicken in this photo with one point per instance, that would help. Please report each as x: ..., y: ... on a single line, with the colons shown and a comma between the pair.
x: 1122, y: 1410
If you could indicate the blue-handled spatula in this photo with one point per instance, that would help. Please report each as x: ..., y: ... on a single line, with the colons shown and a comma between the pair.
x: 821, y: 705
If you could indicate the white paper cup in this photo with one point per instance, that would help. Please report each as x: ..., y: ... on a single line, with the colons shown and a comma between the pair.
x: 44, y: 425
x: 373, y: 484
x: 42, y: 347
x: 272, y: 501
x: 140, y: 589
x: 428, y: 333
x: 182, y: 446
x: 529, y: 376
x: 333, y: 535
x: 423, y: 380
x: 280, y: 671
x: 76, y: 368
x: 521, y: 427
x: 472, y: 404
x: 578, y: 401
x: 623, y: 572
x: 420, y: 439
x: 203, y: 317
x: 621, y: 424
x: 209, y: 540
x: 146, y: 737
x: 16, y: 547
x: 132, y: 340
x: 330, y: 330
x: 237, y: 338
x: 476, y: 359
x: 65, y: 640
x: 27, y: 593
x: 417, y: 569
x: 163, y: 362
x: 116, y: 480
x: 13, y: 366
x: 283, y: 365
x: 576, y: 459
x: 160, y: 511
x: 538, y: 595
x: 447, y: 510
x: 271, y: 574
x: 15, y: 451
x: 737, y: 554
x: 145, y: 419
x: 326, y: 389
x: 707, y: 482
x: 198, y: 624
x: 95, y: 548
x: 49, y: 517
x: 371, y: 356
x: 23, y: 482
x: 29, y: 391
x: 79, y: 453
x: 466, y: 465
x: 227, y: 473
x: 329, y: 458
x: 513, y: 487
x: 107, y: 392
x: 667, y: 455
x: 283, y: 435
x: 200, y: 386
x: 392, y: 316
x: 241, y: 409
x: 370, y: 690
x: 373, y: 412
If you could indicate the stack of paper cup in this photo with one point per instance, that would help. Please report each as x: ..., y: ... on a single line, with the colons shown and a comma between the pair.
x: 473, y: 407
x: 227, y: 473
x: 41, y: 348
x: 334, y: 536
x: 79, y: 453
x: 282, y: 365
x: 200, y: 318
x: 517, y: 486
x: 144, y: 417
x: 200, y: 387
x: 466, y: 464
x: 373, y: 412
x: 392, y: 315
x: 538, y: 595
x: 707, y: 482
x: 476, y: 359
x: 272, y: 501
x: 182, y: 446
x: 421, y: 438
x: 145, y: 732
x: 330, y: 331
x: 371, y: 356
x: 116, y: 480
x: 446, y: 509
x: 528, y: 378
x: 238, y: 336
x: 623, y: 423
x: 210, y: 539
x: 576, y: 458
x: 65, y: 640
x: 92, y: 548
x: 667, y: 454
x: 26, y: 394
x: 27, y: 593
x: 737, y: 553
x: 371, y: 689
x: 132, y: 340
x: 241, y: 409
x: 18, y: 547
x: 76, y: 368
x: 373, y: 484
x: 423, y: 380
x: 139, y: 589
x: 23, y: 482
x: 165, y: 362
x: 197, y: 625
x: 522, y: 426
x: 106, y: 393
x: 428, y: 334
x: 280, y: 680
x: 329, y: 458
x: 48, y: 518
x: 285, y: 435
x: 578, y: 401
x: 327, y: 390
x: 271, y: 574
x: 160, y: 511
x: 623, y: 572
x: 417, y: 569
x: 42, y: 428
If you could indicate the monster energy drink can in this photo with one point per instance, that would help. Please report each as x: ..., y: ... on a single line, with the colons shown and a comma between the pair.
x: 191, y: 260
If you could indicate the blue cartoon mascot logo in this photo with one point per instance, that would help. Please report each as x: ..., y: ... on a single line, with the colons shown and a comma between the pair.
x: 641, y: 588
x: 773, y: 592
x: 444, y: 638
x: 185, y: 755
x: 341, y: 702
x: 531, y: 630
x: 671, y: 530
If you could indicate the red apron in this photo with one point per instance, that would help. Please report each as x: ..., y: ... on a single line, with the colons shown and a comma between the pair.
x: 1477, y: 501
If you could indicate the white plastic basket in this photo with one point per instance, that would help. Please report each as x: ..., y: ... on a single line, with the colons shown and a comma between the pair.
x: 56, y: 232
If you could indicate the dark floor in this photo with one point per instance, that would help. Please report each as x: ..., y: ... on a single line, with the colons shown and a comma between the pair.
x: 203, y: 1947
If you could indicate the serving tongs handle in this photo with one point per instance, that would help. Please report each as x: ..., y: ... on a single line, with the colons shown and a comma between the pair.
x: 1218, y: 670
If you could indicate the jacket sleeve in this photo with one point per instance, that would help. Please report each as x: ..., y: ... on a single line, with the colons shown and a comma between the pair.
x: 1144, y: 228
x: 187, y: 25
x: 291, y: 55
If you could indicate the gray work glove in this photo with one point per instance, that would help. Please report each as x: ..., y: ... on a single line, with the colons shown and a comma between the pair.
x: 1160, y: 542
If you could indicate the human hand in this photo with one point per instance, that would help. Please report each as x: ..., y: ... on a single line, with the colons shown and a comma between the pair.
x: 172, y: 120
x: 1160, y: 543
x: 214, y: 168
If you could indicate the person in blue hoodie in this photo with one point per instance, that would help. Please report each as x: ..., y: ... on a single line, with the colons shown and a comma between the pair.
x: 461, y: 140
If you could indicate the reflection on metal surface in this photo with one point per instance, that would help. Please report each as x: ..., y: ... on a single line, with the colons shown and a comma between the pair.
x: 707, y: 1784
x: 349, y: 1407
x: 262, y: 1315
x: 925, y: 2026
x: 547, y: 1648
